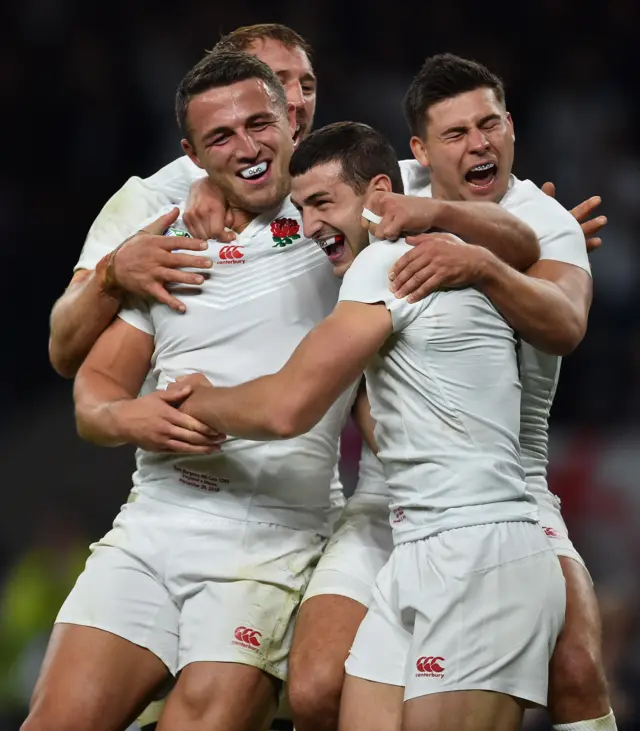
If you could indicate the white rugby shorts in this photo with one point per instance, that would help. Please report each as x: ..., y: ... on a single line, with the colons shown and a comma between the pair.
x: 358, y: 549
x: 476, y: 608
x: 195, y: 587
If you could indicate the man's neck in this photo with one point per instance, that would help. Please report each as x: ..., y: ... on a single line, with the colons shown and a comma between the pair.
x: 241, y: 219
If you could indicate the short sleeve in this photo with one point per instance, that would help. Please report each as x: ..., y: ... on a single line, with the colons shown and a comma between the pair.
x: 124, y: 213
x: 560, y: 236
x: 139, y: 201
x: 415, y: 178
x: 367, y: 281
x: 137, y: 314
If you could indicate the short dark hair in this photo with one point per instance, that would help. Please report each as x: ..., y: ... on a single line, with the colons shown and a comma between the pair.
x: 223, y: 68
x: 443, y: 77
x: 362, y: 151
x: 243, y: 38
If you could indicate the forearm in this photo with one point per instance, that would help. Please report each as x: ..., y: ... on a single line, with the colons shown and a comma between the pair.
x: 78, y: 318
x: 490, y: 226
x: 97, y: 398
x: 536, y: 309
x: 261, y: 410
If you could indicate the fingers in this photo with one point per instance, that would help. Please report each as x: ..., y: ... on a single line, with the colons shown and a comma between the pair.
x: 159, y: 293
x: 183, y: 421
x: 404, y: 268
x: 593, y: 244
x: 430, y: 285
x: 196, y: 225
x: 175, y: 445
x: 594, y: 226
x: 549, y: 189
x: 175, y: 392
x: 177, y: 276
x: 389, y: 228
x: 170, y: 243
x: 417, y: 281
x: 161, y: 224
x: 189, y: 436
x: 585, y: 209
x: 175, y: 261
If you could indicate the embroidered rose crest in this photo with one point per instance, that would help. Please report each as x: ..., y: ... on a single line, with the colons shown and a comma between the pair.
x: 284, y: 231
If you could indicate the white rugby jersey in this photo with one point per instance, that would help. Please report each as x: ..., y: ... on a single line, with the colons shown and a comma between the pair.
x: 561, y: 239
x: 445, y: 394
x: 142, y: 199
x: 266, y: 291
x: 371, y: 477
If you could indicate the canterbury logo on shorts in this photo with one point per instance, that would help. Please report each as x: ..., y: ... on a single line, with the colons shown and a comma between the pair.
x: 430, y: 667
x: 247, y: 637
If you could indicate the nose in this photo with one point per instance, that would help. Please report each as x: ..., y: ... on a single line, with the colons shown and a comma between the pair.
x: 248, y: 147
x: 295, y: 95
x: 477, y: 140
x: 311, y: 223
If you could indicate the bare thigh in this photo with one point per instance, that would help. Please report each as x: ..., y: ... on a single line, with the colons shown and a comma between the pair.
x: 92, y: 679
x: 370, y: 706
x: 463, y: 710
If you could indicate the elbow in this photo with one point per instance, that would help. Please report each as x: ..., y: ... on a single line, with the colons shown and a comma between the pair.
x: 572, y: 339
x: 83, y: 427
x: 286, y: 426
x: 62, y: 364
x: 290, y: 419
x: 530, y: 249
x: 565, y: 339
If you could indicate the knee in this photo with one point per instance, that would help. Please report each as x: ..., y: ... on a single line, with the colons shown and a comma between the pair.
x: 315, y: 689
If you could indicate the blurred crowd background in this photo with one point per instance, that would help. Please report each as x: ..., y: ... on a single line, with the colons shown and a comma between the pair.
x: 88, y: 101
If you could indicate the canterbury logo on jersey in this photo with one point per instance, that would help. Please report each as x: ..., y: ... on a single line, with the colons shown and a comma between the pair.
x: 232, y: 254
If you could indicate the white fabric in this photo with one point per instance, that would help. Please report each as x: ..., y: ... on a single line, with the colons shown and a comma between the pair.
x: 371, y: 479
x: 561, y: 239
x: 245, y: 321
x: 445, y: 395
x: 193, y: 587
x: 605, y: 723
x: 476, y: 608
x: 139, y: 200
x: 358, y: 549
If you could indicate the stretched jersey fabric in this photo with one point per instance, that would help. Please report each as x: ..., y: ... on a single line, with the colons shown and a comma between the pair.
x: 266, y: 291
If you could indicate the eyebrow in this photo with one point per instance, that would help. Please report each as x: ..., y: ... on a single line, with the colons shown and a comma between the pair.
x: 308, y: 76
x: 484, y: 120
x: 310, y: 199
x: 223, y: 128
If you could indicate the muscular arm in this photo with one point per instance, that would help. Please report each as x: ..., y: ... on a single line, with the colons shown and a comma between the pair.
x: 113, y: 372
x: 490, y: 226
x: 77, y: 319
x: 293, y: 400
x: 548, y: 307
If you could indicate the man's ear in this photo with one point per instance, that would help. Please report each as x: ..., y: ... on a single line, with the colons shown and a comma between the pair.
x: 419, y: 150
x: 381, y: 183
x: 190, y: 152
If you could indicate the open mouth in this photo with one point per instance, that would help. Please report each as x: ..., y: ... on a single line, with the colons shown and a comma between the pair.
x: 333, y: 247
x: 482, y: 176
x: 297, y: 135
x: 256, y: 173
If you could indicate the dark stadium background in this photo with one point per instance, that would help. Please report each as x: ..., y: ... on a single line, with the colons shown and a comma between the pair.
x: 87, y: 91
